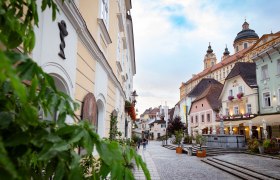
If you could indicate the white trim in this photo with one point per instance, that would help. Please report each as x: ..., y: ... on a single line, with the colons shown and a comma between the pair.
x: 104, y: 30
x: 263, y: 103
x: 120, y: 22
x: 72, y: 13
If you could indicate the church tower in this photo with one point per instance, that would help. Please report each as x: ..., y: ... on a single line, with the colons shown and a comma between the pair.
x: 225, y: 54
x: 210, y: 58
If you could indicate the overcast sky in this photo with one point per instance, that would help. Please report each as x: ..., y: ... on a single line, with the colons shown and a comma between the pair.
x: 172, y: 36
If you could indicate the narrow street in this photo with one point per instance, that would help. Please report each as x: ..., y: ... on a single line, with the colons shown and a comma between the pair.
x: 165, y: 164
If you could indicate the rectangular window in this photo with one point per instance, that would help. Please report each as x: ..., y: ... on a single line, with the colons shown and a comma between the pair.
x: 245, y: 45
x: 196, y: 119
x: 264, y: 72
x: 249, y: 109
x: 227, y: 112
x: 162, y: 125
x: 278, y: 66
x: 230, y: 93
x: 192, y: 119
x: 202, y: 118
x: 208, y: 117
x: 236, y: 110
x: 240, y: 89
x: 266, y: 99
x: 105, y: 11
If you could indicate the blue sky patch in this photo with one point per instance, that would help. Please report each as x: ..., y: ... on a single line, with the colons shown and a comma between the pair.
x: 181, y: 22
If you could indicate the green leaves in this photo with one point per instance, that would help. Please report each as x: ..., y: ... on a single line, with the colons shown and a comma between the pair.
x: 32, y: 148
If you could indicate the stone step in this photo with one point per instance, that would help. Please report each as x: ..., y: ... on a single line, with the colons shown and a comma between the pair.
x: 259, y: 171
x: 243, y: 173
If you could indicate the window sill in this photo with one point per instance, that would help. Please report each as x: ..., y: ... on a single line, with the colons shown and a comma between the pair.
x: 277, y: 75
x: 265, y: 80
x: 267, y: 107
x: 104, y: 30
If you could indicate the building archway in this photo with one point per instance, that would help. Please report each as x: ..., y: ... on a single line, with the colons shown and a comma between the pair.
x: 62, y: 86
x: 100, y: 118
x: 89, y: 110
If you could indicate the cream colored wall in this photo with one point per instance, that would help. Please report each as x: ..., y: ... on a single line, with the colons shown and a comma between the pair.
x: 85, y: 74
x: 110, y: 104
x: 250, y: 97
x: 90, y: 10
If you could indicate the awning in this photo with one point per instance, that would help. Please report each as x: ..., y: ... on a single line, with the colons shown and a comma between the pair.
x: 271, y: 120
x: 236, y: 123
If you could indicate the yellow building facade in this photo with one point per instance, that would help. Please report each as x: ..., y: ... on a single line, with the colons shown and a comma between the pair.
x: 89, y: 51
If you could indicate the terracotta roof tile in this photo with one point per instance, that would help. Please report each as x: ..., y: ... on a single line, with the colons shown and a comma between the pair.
x: 226, y: 61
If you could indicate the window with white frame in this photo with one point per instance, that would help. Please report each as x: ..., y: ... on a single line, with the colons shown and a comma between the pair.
x: 208, y: 117
x: 119, y: 47
x: 245, y: 45
x: 240, y: 89
x: 236, y: 110
x: 249, y: 108
x: 266, y: 99
x: 202, y: 118
x: 196, y: 119
x: 230, y: 93
x: 105, y: 11
x: 278, y: 66
x: 264, y: 72
x: 227, y: 111
x: 191, y: 119
x: 163, y: 125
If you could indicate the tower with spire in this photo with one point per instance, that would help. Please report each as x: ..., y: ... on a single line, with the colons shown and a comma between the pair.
x: 245, y: 38
x: 210, y: 58
x: 225, y: 54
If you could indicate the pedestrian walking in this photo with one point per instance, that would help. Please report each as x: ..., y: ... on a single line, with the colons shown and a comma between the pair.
x: 138, y: 143
x: 144, y: 143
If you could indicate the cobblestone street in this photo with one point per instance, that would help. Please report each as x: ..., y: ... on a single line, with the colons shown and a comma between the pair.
x: 167, y: 165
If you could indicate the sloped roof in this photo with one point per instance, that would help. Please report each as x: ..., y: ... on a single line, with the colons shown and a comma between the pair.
x: 201, y: 86
x: 211, y: 93
x: 158, y: 122
x: 228, y: 60
x: 247, y: 71
x: 154, y: 111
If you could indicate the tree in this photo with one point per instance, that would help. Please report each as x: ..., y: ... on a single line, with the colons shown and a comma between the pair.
x: 31, y: 148
x: 175, y: 125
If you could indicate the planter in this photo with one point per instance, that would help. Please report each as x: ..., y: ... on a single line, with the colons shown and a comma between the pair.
x: 201, y: 153
x: 179, y: 150
x: 272, y: 150
x: 261, y: 149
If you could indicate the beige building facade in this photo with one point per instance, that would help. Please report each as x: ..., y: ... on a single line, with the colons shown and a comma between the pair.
x: 89, y: 50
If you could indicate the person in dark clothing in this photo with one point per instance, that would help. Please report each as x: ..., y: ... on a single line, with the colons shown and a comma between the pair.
x: 144, y: 143
x: 138, y: 143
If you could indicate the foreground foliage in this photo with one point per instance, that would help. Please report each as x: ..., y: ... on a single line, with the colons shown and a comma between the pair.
x: 30, y: 146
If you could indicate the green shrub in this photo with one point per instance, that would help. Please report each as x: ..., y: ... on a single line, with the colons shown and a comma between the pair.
x: 188, y: 139
x: 253, y: 145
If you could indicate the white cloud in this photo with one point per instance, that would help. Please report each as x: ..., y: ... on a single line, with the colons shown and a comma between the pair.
x: 167, y: 55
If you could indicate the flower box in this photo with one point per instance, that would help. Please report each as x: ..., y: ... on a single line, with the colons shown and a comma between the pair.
x: 230, y: 98
x: 240, y: 95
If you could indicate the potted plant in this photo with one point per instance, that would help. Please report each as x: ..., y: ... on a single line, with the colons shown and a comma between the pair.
x: 240, y: 95
x: 253, y: 145
x: 200, y: 140
x: 178, y: 139
x: 270, y: 146
x: 230, y: 98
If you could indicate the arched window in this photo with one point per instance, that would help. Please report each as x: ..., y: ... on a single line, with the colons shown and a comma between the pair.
x: 89, y: 110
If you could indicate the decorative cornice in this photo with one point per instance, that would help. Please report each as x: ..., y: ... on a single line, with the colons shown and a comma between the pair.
x: 74, y: 16
x: 104, y: 30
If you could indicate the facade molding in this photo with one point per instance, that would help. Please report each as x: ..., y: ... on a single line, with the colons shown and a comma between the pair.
x: 72, y: 13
